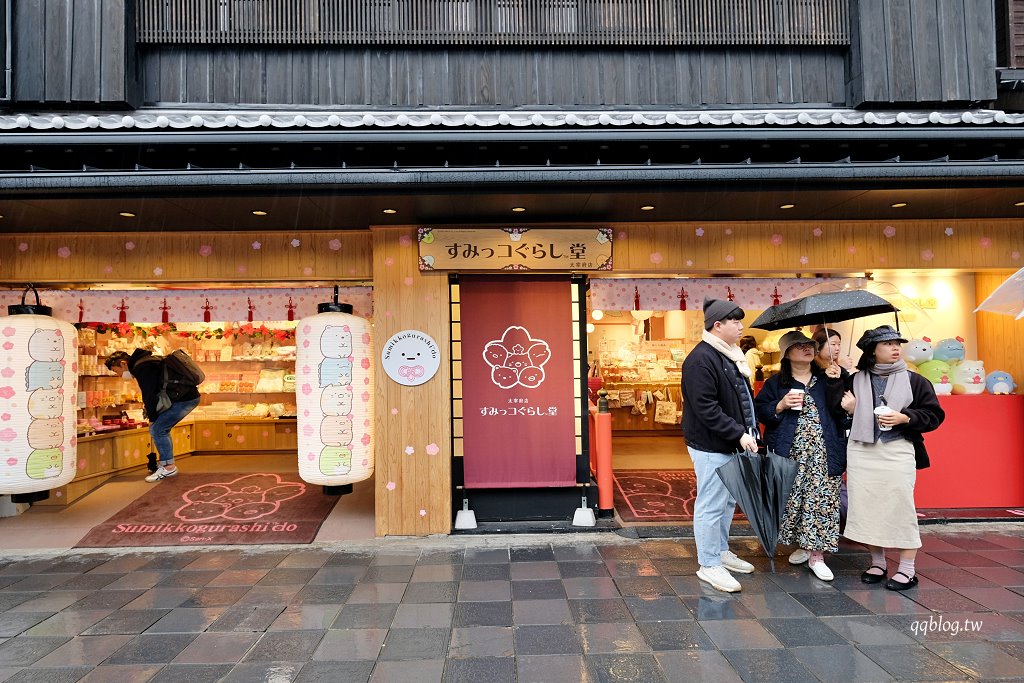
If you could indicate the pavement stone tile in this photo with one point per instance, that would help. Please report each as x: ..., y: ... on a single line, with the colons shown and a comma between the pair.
x: 442, y: 556
x: 1002, y: 576
x: 333, y: 672
x: 540, y: 553
x: 675, y: 635
x: 246, y: 618
x: 238, y: 577
x: 306, y: 617
x: 193, y: 579
x: 136, y: 581
x: 739, y: 634
x: 322, y: 595
x: 840, y: 664
x: 151, y: 649
x: 482, y: 641
x: 126, y: 622
x: 717, y: 605
x: 547, y: 640
x: 912, y: 663
x: 88, y: 582
x: 349, y: 559
x: 396, y: 557
x: 192, y: 673
x: 578, y: 570
x: 536, y: 612
x: 305, y: 559
x: 122, y: 564
x: 631, y: 568
x: 611, y: 638
x: 285, y: 645
x: 342, y: 645
x: 979, y: 660
x: 697, y: 665
x: 431, y: 592
x: 269, y: 595
x: 287, y: 576
x: 423, y: 671
x: 217, y: 559
x: 552, y: 669
x: 999, y: 599
x: 415, y: 643
x: 802, y: 631
x: 217, y: 648
x: 215, y: 597
x: 625, y: 668
x: 120, y: 673
x: 436, y: 573
x: 954, y: 578
x: 535, y: 571
x: 68, y: 674
x: 40, y: 582
x: 658, y: 608
x: 162, y: 598
x: 487, y: 572
x: 675, y: 566
x: 484, y: 614
x: 170, y: 561
x: 491, y: 669
x: 260, y: 560
x: 768, y: 666
x: 413, y: 615
x: 68, y: 623
x: 187, y: 620
x: 582, y: 552
x: 388, y: 574
x: 867, y: 630
x: 622, y: 552
x: 880, y: 601
x: 372, y: 615
x: 830, y: 604
x: 339, y: 574
x: 277, y: 672
x: 944, y: 600
x: 24, y: 651
x: 15, y: 623
x: 1007, y: 541
x: 540, y: 589
x: 644, y: 587
x: 599, y: 611
x: 666, y: 549
x: 591, y: 587
x: 1009, y: 558
x: 767, y: 605
x: 365, y: 593
x: 487, y: 556
x: 484, y: 591
x: 84, y: 651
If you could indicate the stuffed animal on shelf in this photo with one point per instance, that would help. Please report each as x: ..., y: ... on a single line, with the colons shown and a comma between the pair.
x: 949, y: 350
x: 969, y: 377
x: 999, y: 382
x: 918, y: 351
x: 939, y: 374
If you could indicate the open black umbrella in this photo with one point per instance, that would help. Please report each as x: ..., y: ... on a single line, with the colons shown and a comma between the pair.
x: 828, y: 307
x: 761, y: 485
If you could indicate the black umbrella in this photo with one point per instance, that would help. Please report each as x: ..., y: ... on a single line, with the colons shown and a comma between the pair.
x: 761, y: 485
x: 828, y: 307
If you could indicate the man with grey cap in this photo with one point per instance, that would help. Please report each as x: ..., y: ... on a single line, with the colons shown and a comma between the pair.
x: 718, y: 420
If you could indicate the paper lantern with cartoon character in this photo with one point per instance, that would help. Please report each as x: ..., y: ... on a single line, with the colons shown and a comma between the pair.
x: 969, y: 377
x: 949, y: 350
x: 939, y: 374
x: 1000, y: 382
x: 38, y: 392
x: 334, y: 396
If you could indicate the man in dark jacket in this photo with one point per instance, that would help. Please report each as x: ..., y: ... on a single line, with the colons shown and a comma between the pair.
x: 148, y: 371
x: 718, y: 420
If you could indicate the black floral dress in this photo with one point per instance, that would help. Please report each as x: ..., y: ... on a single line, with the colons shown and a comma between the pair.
x: 811, y: 520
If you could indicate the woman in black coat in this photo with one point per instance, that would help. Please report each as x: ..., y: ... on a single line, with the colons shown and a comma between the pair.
x: 797, y: 414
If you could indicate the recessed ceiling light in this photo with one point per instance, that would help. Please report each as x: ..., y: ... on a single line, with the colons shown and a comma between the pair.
x: 126, y: 214
x: 1019, y: 204
x: 257, y: 212
x: 518, y: 209
x: 786, y: 206
x: 898, y: 205
x: 647, y: 207
x: 390, y: 211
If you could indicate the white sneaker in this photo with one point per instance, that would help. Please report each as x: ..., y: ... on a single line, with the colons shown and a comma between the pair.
x: 719, y: 578
x: 821, y: 570
x: 799, y: 556
x: 735, y: 564
x: 161, y: 473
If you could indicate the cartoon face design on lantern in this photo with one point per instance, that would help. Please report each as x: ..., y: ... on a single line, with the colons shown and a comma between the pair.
x: 336, y: 400
x: 335, y: 371
x: 46, y: 403
x: 44, y: 375
x: 46, y: 345
x: 336, y: 430
x: 44, y: 464
x: 336, y: 341
x: 335, y: 460
x: 45, y: 433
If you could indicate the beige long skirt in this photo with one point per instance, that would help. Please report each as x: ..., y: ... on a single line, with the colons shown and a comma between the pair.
x: 880, y: 480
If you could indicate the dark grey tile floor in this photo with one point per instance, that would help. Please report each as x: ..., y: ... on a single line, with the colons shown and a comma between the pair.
x: 595, y: 607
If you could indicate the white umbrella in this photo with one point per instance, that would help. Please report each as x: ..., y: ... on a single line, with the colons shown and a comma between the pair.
x: 1008, y: 298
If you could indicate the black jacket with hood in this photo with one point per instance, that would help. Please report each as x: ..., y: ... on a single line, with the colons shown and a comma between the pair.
x: 148, y: 371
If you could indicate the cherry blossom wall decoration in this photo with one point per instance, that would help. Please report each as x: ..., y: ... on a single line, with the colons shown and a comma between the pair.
x: 889, y: 231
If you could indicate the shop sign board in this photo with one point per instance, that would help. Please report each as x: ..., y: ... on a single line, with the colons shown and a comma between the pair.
x: 466, y: 249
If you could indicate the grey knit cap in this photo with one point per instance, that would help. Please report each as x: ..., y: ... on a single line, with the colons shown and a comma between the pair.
x: 717, y: 309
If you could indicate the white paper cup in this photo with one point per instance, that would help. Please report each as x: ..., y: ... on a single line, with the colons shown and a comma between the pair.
x: 801, y: 392
x: 883, y: 410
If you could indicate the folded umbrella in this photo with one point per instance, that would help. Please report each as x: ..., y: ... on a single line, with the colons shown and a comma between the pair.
x: 827, y: 307
x: 761, y: 485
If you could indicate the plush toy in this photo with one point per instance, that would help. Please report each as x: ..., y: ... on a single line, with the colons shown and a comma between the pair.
x: 969, y: 377
x: 949, y: 350
x: 999, y: 382
x: 939, y: 374
x: 918, y: 351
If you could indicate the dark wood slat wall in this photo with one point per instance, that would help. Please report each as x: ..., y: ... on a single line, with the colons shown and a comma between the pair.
x: 921, y: 51
x: 496, y: 22
x: 491, y: 77
x: 76, y: 51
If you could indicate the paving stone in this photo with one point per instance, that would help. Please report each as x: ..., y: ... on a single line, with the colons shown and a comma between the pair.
x: 739, y: 634
x: 88, y: 582
x: 944, y: 600
x: 162, y: 598
x: 193, y: 579
x: 484, y: 591
x: 912, y: 663
x: 486, y: 572
x: 376, y: 592
x: 280, y: 596
x: 803, y: 631
x: 151, y: 649
x: 881, y: 601
x: 622, y: 552
x: 551, y: 611
x: 84, y: 651
x: 625, y: 668
x: 768, y: 666
x: 411, y: 615
x: 599, y: 611
x: 830, y: 604
x: 322, y: 595
x: 24, y: 651
x: 482, y: 614
x: 438, y: 556
x: 246, y: 618
x: 287, y: 577
x: 340, y: 574
x: 696, y: 665
x: 436, y: 573
x: 260, y: 560
x: 349, y: 559
x: 305, y: 559
x: 123, y: 672
x: 415, y: 643
x: 487, y: 556
x: 717, y: 606
x: 611, y: 638
x: 542, y: 589
x: 542, y: 553
x: 591, y: 587
x: 210, y: 596
x: 547, y: 640
x: 658, y: 608
x: 68, y: 623
x: 388, y: 557
x: 284, y: 646
x: 767, y: 605
x: 126, y: 622
x: 306, y: 618
x: 980, y: 660
x: 422, y: 671
x: 341, y: 645
x: 644, y: 587
x: 666, y: 549
x: 366, y: 616
x: 577, y: 570
x: 271, y: 672
x: 217, y: 648
x: 192, y: 673
x: 482, y: 641
x: 68, y: 674
x: 15, y: 623
x: 552, y: 669
x: 582, y: 552
x: 108, y: 599
x: 388, y: 574
x: 332, y: 672
x: 490, y: 669
x: 865, y: 630
x: 675, y: 635
x: 431, y: 592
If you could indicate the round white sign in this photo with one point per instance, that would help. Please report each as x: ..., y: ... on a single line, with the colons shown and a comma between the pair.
x: 411, y: 357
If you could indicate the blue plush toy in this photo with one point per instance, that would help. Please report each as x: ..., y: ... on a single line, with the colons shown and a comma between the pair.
x: 999, y: 382
x: 949, y: 350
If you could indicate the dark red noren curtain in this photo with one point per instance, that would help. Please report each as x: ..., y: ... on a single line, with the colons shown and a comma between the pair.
x: 519, y: 427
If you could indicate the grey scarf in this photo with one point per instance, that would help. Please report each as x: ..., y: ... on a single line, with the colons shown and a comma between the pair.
x: 897, y: 395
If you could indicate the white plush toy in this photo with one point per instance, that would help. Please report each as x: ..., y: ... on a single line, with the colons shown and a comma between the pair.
x: 969, y: 377
x: 918, y: 351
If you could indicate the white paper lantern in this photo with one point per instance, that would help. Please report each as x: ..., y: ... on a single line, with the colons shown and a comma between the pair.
x: 334, y: 396
x: 38, y: 393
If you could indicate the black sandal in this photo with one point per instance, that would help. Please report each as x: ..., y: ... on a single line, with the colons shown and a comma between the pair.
x: 894, y: 585
x: 868, y: 577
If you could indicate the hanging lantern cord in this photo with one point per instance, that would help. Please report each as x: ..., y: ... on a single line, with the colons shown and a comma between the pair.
x: 29, y: 309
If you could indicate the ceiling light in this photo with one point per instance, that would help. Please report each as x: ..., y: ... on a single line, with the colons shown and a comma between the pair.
x: 518, y: 209
x: 898, y: 205
x: 257, y: 212
x: 786, y: 206
x: 126, y: 214
x: 647, y: 207
x: 1019, y: 204
x: 590, y: 328
x: 597, y: 314
x: 389, y: 211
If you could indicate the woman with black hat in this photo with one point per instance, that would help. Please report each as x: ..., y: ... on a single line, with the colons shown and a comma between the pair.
x: 799, y: 423
x: 892, y: 408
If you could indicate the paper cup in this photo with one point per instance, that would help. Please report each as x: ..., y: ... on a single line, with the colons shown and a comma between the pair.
x: 801, y: 392
x: 883, y: 410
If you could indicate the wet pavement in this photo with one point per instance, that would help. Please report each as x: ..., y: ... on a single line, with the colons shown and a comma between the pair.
x: 546, y: 608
